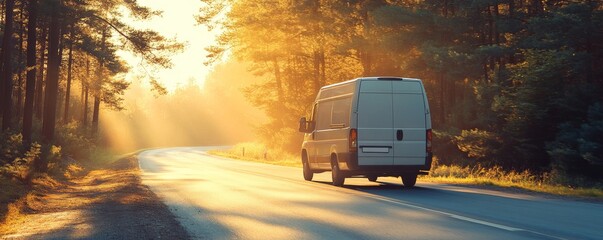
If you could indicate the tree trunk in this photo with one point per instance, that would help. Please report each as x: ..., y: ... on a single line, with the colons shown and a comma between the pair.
x: 442, y: 99
x: 316, y: 74
x: 7, y: 71
x: 323, y: 73
x: 68, y: 87
x: 52, y: 78
x: 39, y: 98
x: 279, y: 82
x: 97, y: 94
x: 95, y: 114
x: 20, y: 76
x: 98, y: 86
x: 279, y: 88
x: 366, y: 57
x: 30, y: 83
x: 512, y: 16
x: 85, y: 91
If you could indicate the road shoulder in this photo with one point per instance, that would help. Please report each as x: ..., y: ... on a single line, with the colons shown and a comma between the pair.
x: 109, y: 203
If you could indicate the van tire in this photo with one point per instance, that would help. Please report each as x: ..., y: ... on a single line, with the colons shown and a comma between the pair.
x: 372, y: 178
x: 336, y: 174
x: 409, y: 180
x: 308, y: 174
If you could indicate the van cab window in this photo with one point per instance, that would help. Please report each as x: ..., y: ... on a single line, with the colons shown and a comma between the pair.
x: 323, y: 109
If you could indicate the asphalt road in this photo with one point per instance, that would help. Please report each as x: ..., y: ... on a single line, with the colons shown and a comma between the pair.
x: 219, y: 198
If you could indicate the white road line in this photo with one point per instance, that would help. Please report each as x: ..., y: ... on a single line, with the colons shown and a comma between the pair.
x: 512, y: 229
x: 400, y: 203
x: 389, y: 200
x: 467, y: 219
x: 459, y: 217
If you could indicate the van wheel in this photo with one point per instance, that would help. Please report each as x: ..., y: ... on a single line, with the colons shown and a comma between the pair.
x: 336, y: 174
x: 372, y: 178
x: 409, y: 180
x: 308, y: 174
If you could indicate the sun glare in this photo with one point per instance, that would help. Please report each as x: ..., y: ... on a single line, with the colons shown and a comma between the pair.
x: 177, y: 21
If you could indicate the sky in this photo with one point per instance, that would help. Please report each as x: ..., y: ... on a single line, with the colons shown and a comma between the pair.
x: 187, y: 116
x: 176, y: 21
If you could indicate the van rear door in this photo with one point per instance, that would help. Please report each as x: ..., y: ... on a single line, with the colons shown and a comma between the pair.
x: 409, y: 110
x: 375, y: 123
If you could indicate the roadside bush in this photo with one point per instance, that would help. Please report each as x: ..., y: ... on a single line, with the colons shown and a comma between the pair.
x: 450, y: 171
x: 577, y: 151
x: 445, y: 149
x: 74, y: 142
x: 58, y: 159
x: 10, y: 147
x: 495, y: 173
x: 17, y: 163
x: 480, y: 145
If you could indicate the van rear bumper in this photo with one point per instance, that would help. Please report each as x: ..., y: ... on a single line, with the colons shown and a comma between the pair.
x: 352, y: 167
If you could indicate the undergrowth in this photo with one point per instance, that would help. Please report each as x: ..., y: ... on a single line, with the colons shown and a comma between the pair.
x: 548, y: 182
x: 72, y: 154
x: 258, y: 152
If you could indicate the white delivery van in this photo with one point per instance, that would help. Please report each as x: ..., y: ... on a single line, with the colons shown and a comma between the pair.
x: 368, y: 127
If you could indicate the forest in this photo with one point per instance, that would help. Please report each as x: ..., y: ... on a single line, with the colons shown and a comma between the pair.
x: 59, y: 69
x: 512, y: 84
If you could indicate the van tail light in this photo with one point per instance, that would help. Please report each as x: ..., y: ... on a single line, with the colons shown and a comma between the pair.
x: 429, y: 140
x: 353, y: 140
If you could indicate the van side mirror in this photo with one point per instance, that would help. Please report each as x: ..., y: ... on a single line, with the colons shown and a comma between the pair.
x: 305, y: 126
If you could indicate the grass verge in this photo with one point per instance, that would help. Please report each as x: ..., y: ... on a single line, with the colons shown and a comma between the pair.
x: 16, y: 193
x: 546, y: 183
x: 477, y: 176
x: 12, y: 190
x: 257, y: 152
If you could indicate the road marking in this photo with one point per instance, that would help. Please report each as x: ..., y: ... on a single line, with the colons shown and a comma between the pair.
x: 398, y: 202
x: 385, y: 199
x: 512, y: 229
x: 459, y: 217
x: 394, y: 201
x: 380, y: 198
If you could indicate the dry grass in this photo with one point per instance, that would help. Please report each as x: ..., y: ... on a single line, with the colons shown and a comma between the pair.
x: 12, y: 190
x: 496, y: 176
x: 115, y: 184
x: 18, y: 198
x: 257, y: 152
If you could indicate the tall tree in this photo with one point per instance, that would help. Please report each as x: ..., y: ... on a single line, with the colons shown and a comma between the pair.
x: 7, y: 66
x: 39, y: 98
x: 69, y: 74
x: 52, y: 75
x: 31, y: 71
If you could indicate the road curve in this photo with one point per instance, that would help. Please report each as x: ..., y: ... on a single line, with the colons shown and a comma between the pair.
x: 219, y: 198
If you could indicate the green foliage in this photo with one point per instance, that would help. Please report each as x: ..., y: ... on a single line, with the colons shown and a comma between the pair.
x: 530, y: 106
x: 17, y: 162
x: 479, y: 144
x: 578, y: 148
x: 508, y: 82
x: 445, y: 149
x: 73, y: 141
x: 10, y: 147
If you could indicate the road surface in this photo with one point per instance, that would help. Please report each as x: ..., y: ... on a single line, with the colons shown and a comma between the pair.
x: 219, y: 198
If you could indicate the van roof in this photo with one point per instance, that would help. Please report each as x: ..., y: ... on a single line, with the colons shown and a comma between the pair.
x: 370, y: 79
